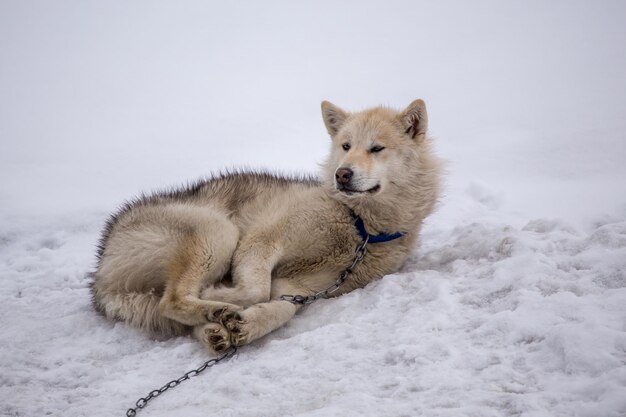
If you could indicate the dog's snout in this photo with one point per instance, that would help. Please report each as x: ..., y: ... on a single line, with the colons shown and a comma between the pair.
x: 343, y: 175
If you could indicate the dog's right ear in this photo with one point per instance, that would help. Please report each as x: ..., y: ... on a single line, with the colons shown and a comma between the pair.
x: 333, y: 116
x: 415, y: 120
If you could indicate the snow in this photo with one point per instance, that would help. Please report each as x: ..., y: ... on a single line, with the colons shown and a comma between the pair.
x: 515, y: 303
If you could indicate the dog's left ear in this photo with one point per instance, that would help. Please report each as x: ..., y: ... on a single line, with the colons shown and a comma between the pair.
x: 415, y: 120
x: 333, y: 116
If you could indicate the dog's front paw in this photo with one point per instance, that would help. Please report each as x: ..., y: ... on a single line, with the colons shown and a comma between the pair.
x: 236, y: 326
x: 219, y: 310
x: 214, y: 336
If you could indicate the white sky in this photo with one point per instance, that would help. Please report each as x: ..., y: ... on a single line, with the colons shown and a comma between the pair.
x: 99, y: 100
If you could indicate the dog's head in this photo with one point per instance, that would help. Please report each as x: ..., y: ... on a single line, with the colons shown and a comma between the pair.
x: 373, y: 152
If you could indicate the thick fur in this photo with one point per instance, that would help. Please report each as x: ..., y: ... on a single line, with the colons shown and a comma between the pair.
x: 215, y: 257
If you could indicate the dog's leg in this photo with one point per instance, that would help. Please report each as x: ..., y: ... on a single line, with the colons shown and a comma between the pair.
x: 245, y: 326
x: 202, y: 255
x: 258, y: 320
x: 253, y: 262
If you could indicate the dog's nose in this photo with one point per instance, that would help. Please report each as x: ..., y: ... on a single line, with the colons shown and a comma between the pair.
x: 343, y: 175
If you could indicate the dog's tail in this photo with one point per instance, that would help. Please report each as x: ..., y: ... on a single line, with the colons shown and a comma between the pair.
x: 138, y: 309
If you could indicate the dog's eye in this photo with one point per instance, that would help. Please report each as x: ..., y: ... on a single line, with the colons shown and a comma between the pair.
x: 376, y: 148
x: 346, y: 146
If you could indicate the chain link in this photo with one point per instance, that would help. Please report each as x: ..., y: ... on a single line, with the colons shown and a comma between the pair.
x: 360, y: 253
x: 142, y: 402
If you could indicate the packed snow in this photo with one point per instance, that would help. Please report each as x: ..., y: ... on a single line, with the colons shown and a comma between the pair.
x: 513, y: 305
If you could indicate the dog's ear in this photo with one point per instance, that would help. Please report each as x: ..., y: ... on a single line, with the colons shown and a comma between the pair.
x: 333, y: 116
x: 415, y: 120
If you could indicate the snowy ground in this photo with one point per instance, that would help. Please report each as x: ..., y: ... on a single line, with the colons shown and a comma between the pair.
x: 515, y: 304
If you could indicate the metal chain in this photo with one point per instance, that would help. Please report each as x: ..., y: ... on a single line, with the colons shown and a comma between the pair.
x: 142, y: 402
x: 361, y: 251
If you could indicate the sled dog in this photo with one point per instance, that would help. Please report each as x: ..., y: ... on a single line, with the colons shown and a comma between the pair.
x: 215, y: 257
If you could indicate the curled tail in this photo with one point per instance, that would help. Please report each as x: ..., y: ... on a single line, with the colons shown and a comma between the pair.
x: 139, y: 309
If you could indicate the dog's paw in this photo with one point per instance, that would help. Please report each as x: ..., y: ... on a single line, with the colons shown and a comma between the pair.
x: 236, y: 326
x: 218, y: 311
x: 214, y: 336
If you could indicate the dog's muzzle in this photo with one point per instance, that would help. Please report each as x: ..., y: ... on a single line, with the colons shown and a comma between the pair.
x: 343, y: 182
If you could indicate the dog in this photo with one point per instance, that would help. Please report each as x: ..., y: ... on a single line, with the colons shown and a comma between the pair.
x: 215, y: 257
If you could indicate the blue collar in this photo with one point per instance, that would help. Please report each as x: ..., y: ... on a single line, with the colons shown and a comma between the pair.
x: 384, y: 237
